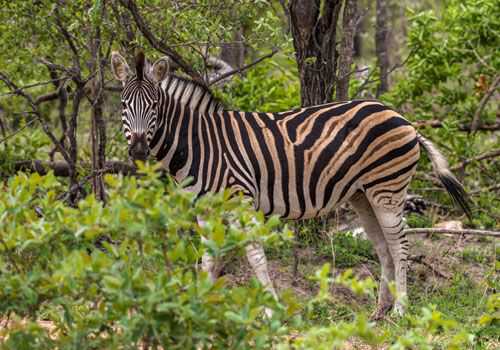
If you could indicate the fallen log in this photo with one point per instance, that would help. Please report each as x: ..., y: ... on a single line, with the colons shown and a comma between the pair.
x: 412, y: 231
x: 61, y: 168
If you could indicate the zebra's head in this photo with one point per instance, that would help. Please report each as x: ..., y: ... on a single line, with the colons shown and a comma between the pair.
x: 139, y: 100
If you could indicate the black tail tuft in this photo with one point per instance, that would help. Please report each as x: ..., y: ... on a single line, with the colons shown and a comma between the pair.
x: 457, y: 192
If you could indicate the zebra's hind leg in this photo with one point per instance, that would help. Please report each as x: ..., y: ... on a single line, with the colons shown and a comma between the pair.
x: 390, y: 218
x: 372, y: 228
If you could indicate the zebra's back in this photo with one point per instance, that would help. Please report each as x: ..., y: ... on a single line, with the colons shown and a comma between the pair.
x: 306, y: 161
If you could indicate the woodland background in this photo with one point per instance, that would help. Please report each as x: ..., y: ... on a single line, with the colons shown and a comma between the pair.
x: 95, y: 253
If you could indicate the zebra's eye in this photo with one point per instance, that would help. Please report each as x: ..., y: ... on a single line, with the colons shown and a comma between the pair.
x: 154, y: 104
x: 124, y: 105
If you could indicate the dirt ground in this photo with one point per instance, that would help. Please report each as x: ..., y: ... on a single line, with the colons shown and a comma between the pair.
x: 433, y: 262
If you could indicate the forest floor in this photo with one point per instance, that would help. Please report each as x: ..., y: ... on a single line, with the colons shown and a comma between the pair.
x: 456, y: 274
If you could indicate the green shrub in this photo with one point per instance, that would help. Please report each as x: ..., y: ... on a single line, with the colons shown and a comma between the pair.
x: 145, y: 288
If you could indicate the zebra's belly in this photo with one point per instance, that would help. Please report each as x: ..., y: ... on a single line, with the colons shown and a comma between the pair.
x: 297, y: 209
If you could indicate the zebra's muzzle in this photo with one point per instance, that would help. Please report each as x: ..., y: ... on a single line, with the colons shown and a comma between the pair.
x: 138, y: 148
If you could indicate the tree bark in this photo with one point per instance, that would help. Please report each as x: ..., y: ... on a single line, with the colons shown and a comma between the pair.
x: 313, y: 26
x: 234, y: 52
x: 349, y: 22
x: 63, y: 169
x: 381, y: 45
x: 98, y: 128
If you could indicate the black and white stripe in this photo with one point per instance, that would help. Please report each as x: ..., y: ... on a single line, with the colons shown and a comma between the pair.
x: 297, y: 164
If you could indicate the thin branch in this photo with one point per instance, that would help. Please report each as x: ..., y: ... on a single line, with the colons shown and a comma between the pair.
x: 62, y: 169
x: 416, y: 231
x: 157, y: 44
x: 368, y: 81
x: 439, y: 124
x: 490, y: 189
x: 18, y: 130
x: 239, y: 70
x: 69, y: 39
x: 487, y: 155
x: 37, y: 113
x: 420, y: 259
x: 29, y: 86
x: 475, y: 120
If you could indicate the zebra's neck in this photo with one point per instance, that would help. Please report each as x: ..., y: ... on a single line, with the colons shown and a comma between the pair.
x: 195, y: 137
x: 184, y: 107
x: 190, y: 95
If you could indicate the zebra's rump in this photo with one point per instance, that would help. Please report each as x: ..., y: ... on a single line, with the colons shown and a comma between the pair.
x: 312, y: 159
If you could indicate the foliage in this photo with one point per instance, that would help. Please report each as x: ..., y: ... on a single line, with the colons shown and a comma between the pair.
x: 22, y: 146
x: 269, y: 87
x: 125, y: 273
x: 453, y: 59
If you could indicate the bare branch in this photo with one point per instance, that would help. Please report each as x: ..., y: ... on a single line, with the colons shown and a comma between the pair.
x: 475, y: 120
x: 416, y: 231
x: 29, y: 86
x: 239, y: 70
x: 18, y: 130
x: 69, y: 39
x: 489, y: 189
x: 46, y: 128
x: 62, y: 169
x: 487, y: 155
x: 439, y: 124
x: 157, y: 44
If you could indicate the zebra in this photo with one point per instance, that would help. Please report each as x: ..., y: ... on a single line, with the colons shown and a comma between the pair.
x: 297, y: 164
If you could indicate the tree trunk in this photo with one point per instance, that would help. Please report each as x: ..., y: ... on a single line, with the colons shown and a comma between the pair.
x: 381, y: 45
x: 349, y: 21
x: 234, y: 52
x: 313, y: 27
x: 98, y: 128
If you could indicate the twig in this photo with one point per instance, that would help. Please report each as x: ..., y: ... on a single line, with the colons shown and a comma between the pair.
x: 475, y: 120
x: 36, y: 111
x: 239, y: 70
x: 61, y: 168
x: 415, y: 231
x: 368, y: 81
x: 69, y: 39
x: 484, y: 190
x: 18, y: 130
x: 420, y: 259
x: 434, y: 123
x: 487, y: 155
x: 29, y: 86
x: 157, y: 44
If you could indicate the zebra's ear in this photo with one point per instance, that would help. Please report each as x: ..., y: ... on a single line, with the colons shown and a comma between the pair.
x: 119, y: 67
x: 160, y: 69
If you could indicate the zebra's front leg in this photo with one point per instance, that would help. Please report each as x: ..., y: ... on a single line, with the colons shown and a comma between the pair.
x: 257, y: 259
x: 211, y: 265
x: 208, y: 264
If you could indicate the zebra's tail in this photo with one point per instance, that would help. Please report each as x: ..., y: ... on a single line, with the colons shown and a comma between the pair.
x: 449, y: 181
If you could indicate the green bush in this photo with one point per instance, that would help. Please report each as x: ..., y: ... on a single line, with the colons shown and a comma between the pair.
x: 143, y: 285
x: 271, y: 86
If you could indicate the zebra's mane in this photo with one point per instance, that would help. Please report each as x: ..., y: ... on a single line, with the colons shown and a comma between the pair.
x: 191, y: 93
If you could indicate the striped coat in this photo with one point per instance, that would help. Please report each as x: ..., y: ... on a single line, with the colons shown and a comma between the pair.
x: 297, y: 164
